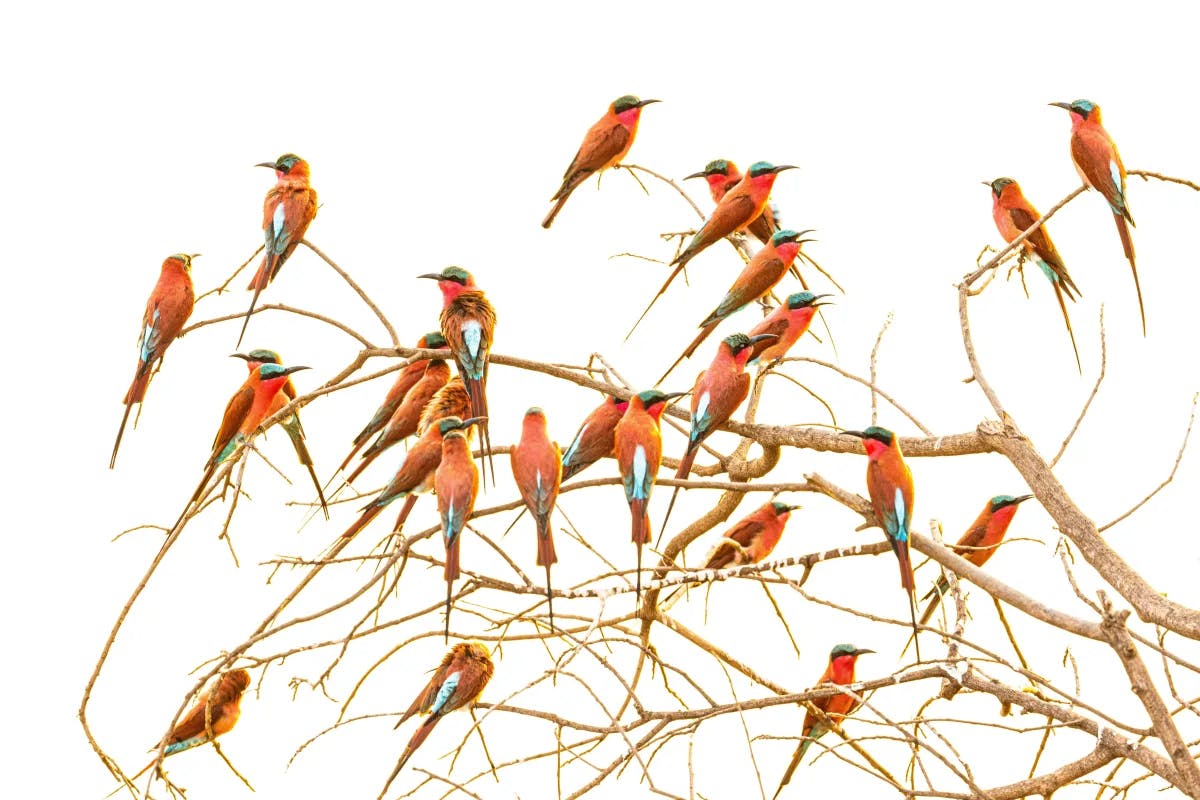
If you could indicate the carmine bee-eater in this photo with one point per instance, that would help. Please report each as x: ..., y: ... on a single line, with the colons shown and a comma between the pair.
x: 605, y: 144
x: 721, y: 176
x: 468, y: 323
x: 1014, y: 215
x: 456, y: 482
x: 414, y: 476
x: 405, y: 380
x: 457, y: 683
x: 291, y: 424
x: 758, y: 278
x: 737, y: 209
x: 537, y: 468
x: 1099, y: 164
x: 216, y: 710
x: 167, y: 311
x: 752, y: 539
x: 595, y: 438
x: 638, y: 443
x: 789, y: 322
x: 451, y: 400
x: 890, y: 484
x: 288, y: 210
x: 406, y: 417
x: 836, y: 707
x: 718, y: 392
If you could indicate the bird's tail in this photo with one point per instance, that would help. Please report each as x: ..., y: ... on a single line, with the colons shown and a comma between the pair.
x: 934, y: 596
x: 1123, y: 222
x: 112, y: 462
x: 560, y: 201
x: 805, y: 742
x: 549, y: 597
x: 667, y: 517
x: 418, y: 737
x: 409, y: 502
x: 367, y: 458
x: 1062, y: 304
x: 545, y: 553
x: 477, y: 393
x: 691, y: 348
x: 679, y: 263
x: 364, y: 519
x: 640, y: 515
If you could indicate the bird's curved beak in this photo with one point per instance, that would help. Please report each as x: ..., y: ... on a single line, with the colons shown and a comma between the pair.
x: 242, y: 356
x: 862, y: 651
x: 762, y: 337
x: 700, y: 174
x: 270, y: 164
x: 434, y: 276
x: 858, y: 434
x: 1021, y: 499
x: 789, y: 509
x: 466, y: 423
x: 1067, y: 106
x: 987, y: 183
x: 290, y: 370
x: 781, y: 167
x: 643, y: 103
x: 195, y: 255
x: 674, y: 395
x: 815, y: 304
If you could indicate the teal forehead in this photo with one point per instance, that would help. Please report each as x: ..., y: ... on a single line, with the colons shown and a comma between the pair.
x: 268, y: 371
x: 625, y: 102
x: 760, y: 167
x: 842, y: 650
x: 800, y: 299
x: 779, y: 237
x: 737, y: 341
x: 1085, y: 105
x: 718, y: 166
x: 266, y: 356
x: 456, y: 274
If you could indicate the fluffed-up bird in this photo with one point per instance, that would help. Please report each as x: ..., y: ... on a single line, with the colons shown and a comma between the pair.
x: 721, y: 175
x: 537, y: 468
x: 456, y: 482
x: 1014, y: 215
x: 167, y: 311
x: 605, y: 144
x: 288, y: 210
x: 595, y: 438
x: 835, y: 707
x: 1099, y: 164
x: 738, y: 208
x: 789, y: 322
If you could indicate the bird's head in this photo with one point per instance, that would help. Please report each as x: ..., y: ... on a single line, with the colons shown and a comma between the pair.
x: 782, y: 508
x: 185, y: 260
x: 740, y: 343
x: 761, y: 168
x: 1005, y: 500
x: 800, y: 300
x: 999, y: 185
x: 287, y: 164
x: 717, y: 168
x: 1081, y: 110
x: 432, y: 341
x: 629, y: 102
x: 847, y: 651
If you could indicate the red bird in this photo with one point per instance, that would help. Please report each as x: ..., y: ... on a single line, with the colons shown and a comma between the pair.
x: 595, y: 438
x: 605, y: 144
x: 789, y: 322
x: 721, y: 176
x: 167, y: 311
x: 537, y: 468
x: 288, y: 210
x: 752, y: 539
x: 456, y: 482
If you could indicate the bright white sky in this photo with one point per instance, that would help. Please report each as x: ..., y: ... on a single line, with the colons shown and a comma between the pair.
x: 436, y: 137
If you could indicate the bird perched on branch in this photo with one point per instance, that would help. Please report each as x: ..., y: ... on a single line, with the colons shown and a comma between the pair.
x: 789, y: 322
x: 835, y: 707
x: 721, y: 176
x: 167, y: 311
x: 456, y: 482
x: 1014, y: 215
x: 605, y: 144
x: 595, y: 438
x: 1099, y: 164
x: 288, y: 210
x: 537, y: 468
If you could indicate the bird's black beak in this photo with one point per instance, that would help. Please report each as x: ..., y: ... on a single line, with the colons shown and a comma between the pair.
x: 270, y: 164
x: 242, y: 356
x: 644, y: 103
x: 862, y: 651
x: 858, y: 434
x: 466, y: 423
x: 1021, y: 499
x: 781, y: 167
x: 290, y: 370
x: 762, y: 337
x: 674, y: 395
x: 815, y: 304
x: 434, y: 276
x: 1067, y: 106
x: 700, y: 174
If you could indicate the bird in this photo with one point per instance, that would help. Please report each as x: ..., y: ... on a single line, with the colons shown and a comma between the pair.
x: 291, y: 423
x: 1014, y: 215
x: 288, y: 210
x: 414, y: 476
x: 457, y: 683
x: 638, y: 444
x: 789, y: 322
x: 605, y: 144
x: 740, y: 206
x: 405, y: 380
x: 836, y: 707
x: 979, y: 543
x: 718, y: 392
x: 456, y: 482
x: 595, y: 438
x: 451, y: 400
x: 890, y: 484
x: 404, y: 420
x: 537, y: 466
x: 214, y: 714
x: 468, y: 324
x: 167, y: 311
x: 1099, y: 164
x: 722, y: 175
x: 756, y: 280
x: 753, y: 538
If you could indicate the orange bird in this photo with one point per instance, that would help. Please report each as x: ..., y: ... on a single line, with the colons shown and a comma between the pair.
x: 537, y: 469
x: 456, y: 482
x: 718, y: 392
x: 457, y: 683
x: 451, y: 400
x: 789, y: 322
x: 737, y: 209
x: 291, y: 424
x: 288, y: 210
x: 721, y: 176
x: 468, y: 324
x: 167, y: 311
x: 639, y: 453
x: 836, y: 707
x: 404, y: 420
x: 752, y: 539
x: 405, y: 380
x: 1099, y: 164
x: 605, y: 144
x: 1014, y: 215
x: 595, y: 438
x: 215, y: 713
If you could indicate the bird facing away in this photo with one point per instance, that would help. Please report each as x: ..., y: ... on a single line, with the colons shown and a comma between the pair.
x: 756, y: 280
x: 1099, y: 164
x: 456, y: 482
x: 451, y: 400
x: 890, y: 485
x: 605, y: 144
x: 468, y: 324
x: 537, y: 469
x: 638, y: 443
x: 835, y: 707
x: 288, y: 209
x: 167, y: 311
x: 595, y: 438
x: 789, y: 322
x: 291, y: 424
x: 457, y: 683
x: 722, y: 175
x: 1014, y: 215
x: 737, y: 209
